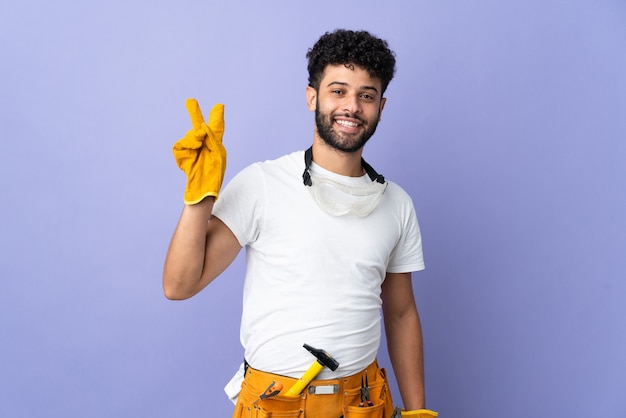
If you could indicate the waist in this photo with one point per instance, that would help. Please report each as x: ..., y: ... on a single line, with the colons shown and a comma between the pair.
x: 257, y: 380
x: 283, y: 354
x: 321, y: 398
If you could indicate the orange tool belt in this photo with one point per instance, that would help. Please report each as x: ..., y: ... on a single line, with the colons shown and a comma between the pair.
x: 320, y: 399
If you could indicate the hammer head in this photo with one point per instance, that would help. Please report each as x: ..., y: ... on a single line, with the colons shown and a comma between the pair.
x: 323, y: 357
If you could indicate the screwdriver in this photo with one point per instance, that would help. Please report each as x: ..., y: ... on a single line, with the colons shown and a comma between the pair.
x: 272, y: 390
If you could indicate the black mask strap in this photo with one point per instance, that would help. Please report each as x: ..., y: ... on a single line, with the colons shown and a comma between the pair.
x: 308, y: 159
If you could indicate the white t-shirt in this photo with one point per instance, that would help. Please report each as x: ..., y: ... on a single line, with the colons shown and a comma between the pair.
x: 311, y: 277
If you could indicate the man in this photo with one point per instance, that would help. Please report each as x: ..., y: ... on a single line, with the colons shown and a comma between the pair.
x: 329, y: 242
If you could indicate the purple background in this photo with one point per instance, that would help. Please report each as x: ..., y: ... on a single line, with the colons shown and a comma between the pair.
x: 506, y: 123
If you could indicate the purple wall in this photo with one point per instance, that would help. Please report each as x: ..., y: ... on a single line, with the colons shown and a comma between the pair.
x: 506, y: 123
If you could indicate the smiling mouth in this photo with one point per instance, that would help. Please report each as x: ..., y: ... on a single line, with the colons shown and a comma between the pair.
x: 347, y: 124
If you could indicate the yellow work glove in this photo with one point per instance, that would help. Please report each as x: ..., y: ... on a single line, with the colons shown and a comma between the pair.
x: 420, y: 413
x: 201, y: 154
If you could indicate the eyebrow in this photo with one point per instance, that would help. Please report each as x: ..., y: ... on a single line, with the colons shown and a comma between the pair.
x: 340, y: 83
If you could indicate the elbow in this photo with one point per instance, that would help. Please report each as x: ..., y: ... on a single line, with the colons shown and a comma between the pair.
x: 173, y: 291
x: 173, y: 295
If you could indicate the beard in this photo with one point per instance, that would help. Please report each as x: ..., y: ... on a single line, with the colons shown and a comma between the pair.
x: 340, y: 141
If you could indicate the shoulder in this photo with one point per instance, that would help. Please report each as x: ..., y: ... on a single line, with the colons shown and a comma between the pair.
x: 397, y: 193
x: 285, y: 162
x: 397, y: 203
x: 395, y: 188
x: 288, y: 162
x: 285, y: 169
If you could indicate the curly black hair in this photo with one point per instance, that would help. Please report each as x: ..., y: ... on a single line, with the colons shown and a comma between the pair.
x: 348, y: 47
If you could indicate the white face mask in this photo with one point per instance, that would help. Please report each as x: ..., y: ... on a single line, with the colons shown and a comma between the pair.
x: 338, y: 198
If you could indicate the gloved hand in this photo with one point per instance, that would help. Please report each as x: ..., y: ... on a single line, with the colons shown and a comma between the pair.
x: 420, y: 413
x: 416, y: 413
x: 201, y: 154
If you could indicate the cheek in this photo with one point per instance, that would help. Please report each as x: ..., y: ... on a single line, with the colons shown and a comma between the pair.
x: 329, y: 107
x: 377, y: 113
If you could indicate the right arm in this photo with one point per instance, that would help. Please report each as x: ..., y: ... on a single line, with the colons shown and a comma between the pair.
x: 201, y: 247
x: 200, y: 250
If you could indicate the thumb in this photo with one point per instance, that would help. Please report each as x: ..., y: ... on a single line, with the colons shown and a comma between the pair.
x: 193, y: 108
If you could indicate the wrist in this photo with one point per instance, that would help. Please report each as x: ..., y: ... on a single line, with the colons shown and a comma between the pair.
x: 419, y: 413
x: 208, y: 200
x: 196, y: 215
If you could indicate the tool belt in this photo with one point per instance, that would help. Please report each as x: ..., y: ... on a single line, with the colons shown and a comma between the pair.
x: 333, y: 398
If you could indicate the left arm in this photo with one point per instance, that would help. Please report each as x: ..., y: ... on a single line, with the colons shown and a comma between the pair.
x: 404, y: 338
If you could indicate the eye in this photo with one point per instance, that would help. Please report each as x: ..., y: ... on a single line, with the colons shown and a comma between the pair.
x: 337, y: 91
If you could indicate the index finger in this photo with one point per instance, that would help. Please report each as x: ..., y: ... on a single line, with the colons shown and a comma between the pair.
x: 193, y: 108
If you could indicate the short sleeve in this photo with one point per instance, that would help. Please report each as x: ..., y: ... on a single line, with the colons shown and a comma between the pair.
x: 241, y: 204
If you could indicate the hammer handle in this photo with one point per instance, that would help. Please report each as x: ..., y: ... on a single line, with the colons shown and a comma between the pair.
x: 304, y: 380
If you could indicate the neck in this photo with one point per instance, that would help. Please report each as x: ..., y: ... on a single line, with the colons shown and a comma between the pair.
x: 339, y: 162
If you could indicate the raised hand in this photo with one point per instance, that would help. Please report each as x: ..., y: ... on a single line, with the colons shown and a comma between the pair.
x: 201, y: 155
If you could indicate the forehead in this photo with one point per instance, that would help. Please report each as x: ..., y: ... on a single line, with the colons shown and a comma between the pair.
x: 351, y: 75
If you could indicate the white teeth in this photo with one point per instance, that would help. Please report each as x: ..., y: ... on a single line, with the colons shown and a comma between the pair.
x: 347, y: 124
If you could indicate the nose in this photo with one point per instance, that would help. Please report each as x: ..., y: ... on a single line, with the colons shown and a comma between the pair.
x: 351, y: 104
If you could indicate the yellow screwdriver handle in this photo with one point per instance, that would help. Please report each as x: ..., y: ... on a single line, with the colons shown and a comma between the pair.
x: 306, y: 378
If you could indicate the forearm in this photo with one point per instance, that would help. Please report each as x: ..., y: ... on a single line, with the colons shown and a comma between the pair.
x: 185, y: 258
x: 404, y: 342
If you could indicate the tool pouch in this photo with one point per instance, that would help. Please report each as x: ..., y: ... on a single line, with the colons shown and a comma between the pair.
x: 311, y: 403
x: 278, y: 406
x: 250, y: 406
x: 380, y: 396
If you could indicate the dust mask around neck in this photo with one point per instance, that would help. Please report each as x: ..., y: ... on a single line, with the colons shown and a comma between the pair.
x: 339, y: 198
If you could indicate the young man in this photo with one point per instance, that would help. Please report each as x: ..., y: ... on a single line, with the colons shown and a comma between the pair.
x: 329, y: 242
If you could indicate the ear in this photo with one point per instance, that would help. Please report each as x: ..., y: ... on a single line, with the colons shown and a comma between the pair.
x: 311, y: 98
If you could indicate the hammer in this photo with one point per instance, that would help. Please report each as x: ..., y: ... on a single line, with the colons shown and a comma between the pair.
x: 323, y: 359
